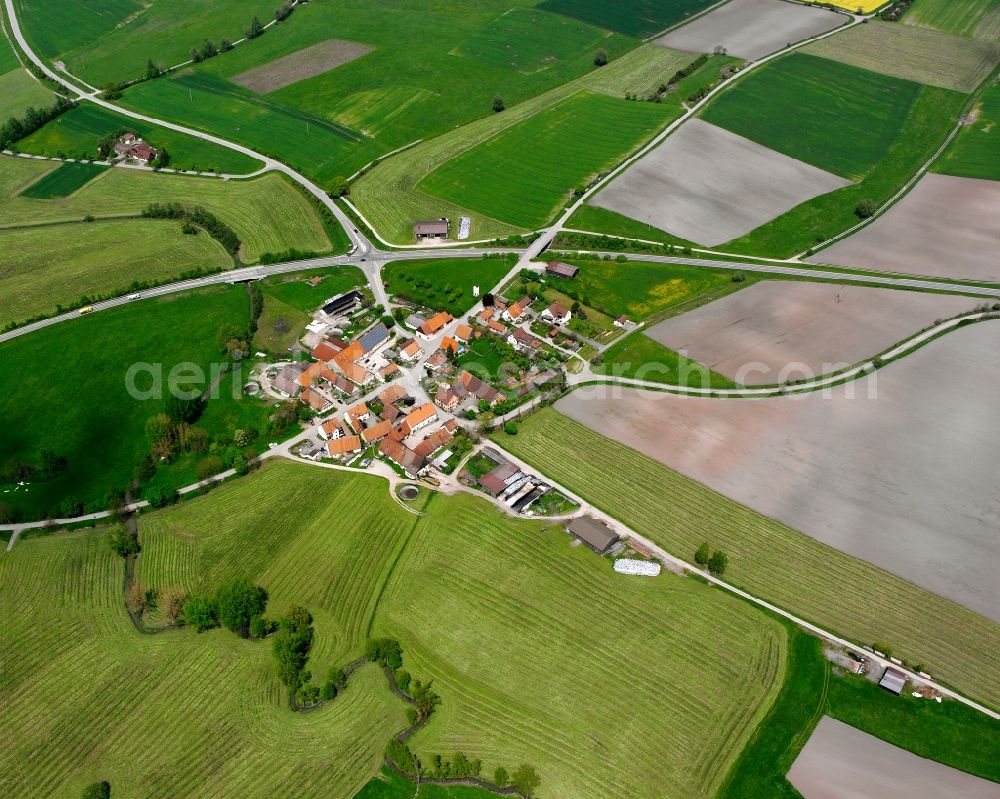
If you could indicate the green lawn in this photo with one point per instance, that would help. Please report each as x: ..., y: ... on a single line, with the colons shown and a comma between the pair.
x: 295, y: 291
x: 495, y: 635
x: 268, y: 213
x: 643, y: 358
x: 842, y: 594
x: 640, y: 289
x: 112, y: 40
x: 975, y: 152
x: 51, y: 266
x: 18, y: 90
x: 444, y: 284
x: 75, y: 134
x: 63, y: 181
x: 526, y: 173
x: 834, y: 116
x: 64, y: 388
x: 639, y: 18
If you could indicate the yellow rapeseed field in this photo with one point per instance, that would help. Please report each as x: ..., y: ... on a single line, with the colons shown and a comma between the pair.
x: 862, y: 6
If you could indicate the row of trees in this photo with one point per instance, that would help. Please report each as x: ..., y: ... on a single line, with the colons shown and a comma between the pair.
x: 14, y: 129
x: 216, y: 228
x: 238, y: 605
x: 715, y: 562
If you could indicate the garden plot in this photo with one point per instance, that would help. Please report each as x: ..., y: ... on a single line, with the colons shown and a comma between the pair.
x: 305, y: 63
x: 840, y: 760
x: 917, y: 54
x: 752, y: 29
x: 709, y: 186
x: 946, y: 227
x: 904, y: 480
x: 779, y: 330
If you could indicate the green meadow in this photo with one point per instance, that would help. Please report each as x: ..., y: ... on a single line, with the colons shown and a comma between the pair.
x: 975, y: 152
x: 63, y: 181
x: 444, y: 284
x: 75, y: 135
x: 639, y: 18
x: 523, y: 175
x: 834, y: 116
x: 66, y: 387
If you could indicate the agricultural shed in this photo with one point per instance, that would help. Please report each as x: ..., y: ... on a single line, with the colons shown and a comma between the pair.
x: 593, y: 533
x: 893, y: 680
x: 341, y: 304
x: 435, y: 229
x: 559, y: 269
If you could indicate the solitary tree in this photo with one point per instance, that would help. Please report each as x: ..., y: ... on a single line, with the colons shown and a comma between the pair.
x: 703, y: 554
x: 199, y: 612
x: 866, y: 208
x: 498, y: 104
x: 238, y: 601
x: 172, y: 602
x: 717, y: 563
x: 99, y: 790
x: 601, y: 57
x: 525, y: 779
x: 500, y: 777
x: 152, y: 70
x: 255, y: 29
x: 122, y: 542
x: 135, y: 598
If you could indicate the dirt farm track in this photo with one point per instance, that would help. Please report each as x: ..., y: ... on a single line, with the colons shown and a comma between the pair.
x: 903, y: 478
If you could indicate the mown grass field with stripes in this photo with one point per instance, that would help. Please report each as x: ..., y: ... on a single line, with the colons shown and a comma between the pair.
x: 537, y: 648
x: 87, y: 698
x: 534, y: 645
x: 766, y: 558
x: 267, y: 213
x: 389, y: 197
x: 54, y: 265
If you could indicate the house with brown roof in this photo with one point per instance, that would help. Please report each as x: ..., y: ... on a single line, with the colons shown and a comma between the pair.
x: 315, y: 372
x: 315, y: 400
x: 557, y: 313
x: 407, y: 459
x: 332, y: 429
x: 419, y: 418
x: 390, y: 413
x: 343, y: 386
x: 409, y: 349
x: 521, y: 339
x: 346, y: 445
x: 468, y: 384
x: 388, y: 372
x: 463, y: 333
x: 448, y: 343
x: 496, y: 480
x: 514, y: 313
x: 593, y: 533
x: 432, y: 229
x: 392, y: 394
x: 353, y: 372
x: 376, y: 432
x: 325, y: 351
x: 356, y: 415
x: 286, y: 381
x: 495, y: 327
x: 439, y: 438
x: 559, y: 269
x: 446, y: 399
x: 485, y: 315
x: 621, y: 321
x: 438, y: 359
x: 435, y: 324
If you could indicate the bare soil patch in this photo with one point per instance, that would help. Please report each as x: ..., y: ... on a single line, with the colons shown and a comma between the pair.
x: 840, y: 760
x: 778, y: 330
x: 752, y: 29
x: 898, y: 469
x: 946, y: 227
x: 302, y: 64
x: 709, y: 186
